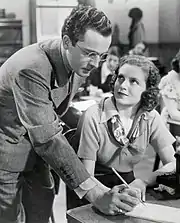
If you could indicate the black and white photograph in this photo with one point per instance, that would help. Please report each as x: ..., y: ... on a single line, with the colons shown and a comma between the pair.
x: 89, y: 111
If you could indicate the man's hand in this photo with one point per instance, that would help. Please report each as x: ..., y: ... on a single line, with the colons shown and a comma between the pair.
x: 140, y: 186
x: 118, y: 200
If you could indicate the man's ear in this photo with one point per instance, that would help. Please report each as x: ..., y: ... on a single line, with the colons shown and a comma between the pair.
x: 66, y: 42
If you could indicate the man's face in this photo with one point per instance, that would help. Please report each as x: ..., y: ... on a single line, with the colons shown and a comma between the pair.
x: 85, y: 55
x: 130, y: 84
x: 112, y: 62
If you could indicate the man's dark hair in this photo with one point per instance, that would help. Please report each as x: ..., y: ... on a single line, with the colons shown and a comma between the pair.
x: 114, y: 50
x: 83, y: 18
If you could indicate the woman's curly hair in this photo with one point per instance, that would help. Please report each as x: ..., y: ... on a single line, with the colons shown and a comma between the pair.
x: 150, y: 97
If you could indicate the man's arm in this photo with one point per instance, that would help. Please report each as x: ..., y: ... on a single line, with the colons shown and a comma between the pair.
x: 35, y: 111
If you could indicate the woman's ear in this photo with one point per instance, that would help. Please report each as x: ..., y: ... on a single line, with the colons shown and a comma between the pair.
x: 66, y: 42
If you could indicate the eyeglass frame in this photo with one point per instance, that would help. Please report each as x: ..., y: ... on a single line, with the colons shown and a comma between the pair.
x: 94, y: 54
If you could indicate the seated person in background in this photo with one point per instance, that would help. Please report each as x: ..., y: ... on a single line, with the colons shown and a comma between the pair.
x: 159, y: 65
x: 117, y: 131
x: 102, y: 75
x: 170, y: 91
x: 139, y: 49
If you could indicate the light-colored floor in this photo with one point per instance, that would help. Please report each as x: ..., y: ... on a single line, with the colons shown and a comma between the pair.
x: 142, y: 170
x: 60, y: 205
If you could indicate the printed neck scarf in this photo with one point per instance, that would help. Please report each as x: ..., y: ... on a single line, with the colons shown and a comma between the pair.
x: 118, y: 130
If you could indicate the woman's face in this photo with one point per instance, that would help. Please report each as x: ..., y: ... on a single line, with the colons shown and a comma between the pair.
x: 129, y: 85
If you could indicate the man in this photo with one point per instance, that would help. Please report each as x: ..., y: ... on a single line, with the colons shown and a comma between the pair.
x: 36, y: 86
x: 101, y: 77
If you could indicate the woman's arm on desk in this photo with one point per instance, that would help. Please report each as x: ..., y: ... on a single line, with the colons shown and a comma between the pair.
x: 169, y: 164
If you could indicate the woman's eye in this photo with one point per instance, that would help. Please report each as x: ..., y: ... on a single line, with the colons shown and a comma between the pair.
x: 134, y: 81
x: 86, y: 53
x: 120, y: 77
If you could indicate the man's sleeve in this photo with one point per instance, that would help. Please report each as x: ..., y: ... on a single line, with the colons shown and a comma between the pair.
x: 36, y: 113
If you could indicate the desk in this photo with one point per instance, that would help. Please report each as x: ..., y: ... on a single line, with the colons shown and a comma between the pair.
x: 77, y: 215
x: 174, y: 128
x: 86, y: 101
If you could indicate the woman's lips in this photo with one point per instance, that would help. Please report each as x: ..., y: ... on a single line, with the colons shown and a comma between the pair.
x: 122, y: 93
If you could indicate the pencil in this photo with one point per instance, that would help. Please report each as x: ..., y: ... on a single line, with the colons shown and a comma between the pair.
x: 127, y: 185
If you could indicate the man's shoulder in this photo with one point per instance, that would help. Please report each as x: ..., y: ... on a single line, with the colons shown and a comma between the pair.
x: 50, y: 44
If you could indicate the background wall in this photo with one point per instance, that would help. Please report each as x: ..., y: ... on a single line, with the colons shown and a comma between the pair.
x: 117, y: 11
x: 169, y: 21
x: 21, y: 9
x: 161, y: 19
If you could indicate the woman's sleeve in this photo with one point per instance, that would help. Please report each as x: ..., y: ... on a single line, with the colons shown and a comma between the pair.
x: 160, y: 137
x: 167, y: 89
x: 89, y: 138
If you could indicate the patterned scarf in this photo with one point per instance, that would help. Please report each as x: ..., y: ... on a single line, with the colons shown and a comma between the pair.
x: 118, y: 130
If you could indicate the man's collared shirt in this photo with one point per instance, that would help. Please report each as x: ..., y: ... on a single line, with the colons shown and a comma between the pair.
x: 105, y: 72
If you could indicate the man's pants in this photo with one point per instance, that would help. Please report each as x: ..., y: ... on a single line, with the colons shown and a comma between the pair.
x: 23, y: 199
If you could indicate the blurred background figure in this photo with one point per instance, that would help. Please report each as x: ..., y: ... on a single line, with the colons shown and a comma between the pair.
x: 102, y: 75
x: 87, y: 2
x: 139, y: 49
x: 170, y: 92
x: 136, y: 30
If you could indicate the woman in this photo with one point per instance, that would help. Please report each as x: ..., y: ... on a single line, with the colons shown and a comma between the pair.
x: 170, y: 91
x: 136, y: 31
x: 117, y: 131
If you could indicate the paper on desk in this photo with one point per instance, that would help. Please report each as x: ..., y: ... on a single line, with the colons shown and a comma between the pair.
x: 155, y: 212
x: 83, y: 105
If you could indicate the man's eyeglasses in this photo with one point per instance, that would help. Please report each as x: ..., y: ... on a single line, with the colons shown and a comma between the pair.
x: 93, y: 55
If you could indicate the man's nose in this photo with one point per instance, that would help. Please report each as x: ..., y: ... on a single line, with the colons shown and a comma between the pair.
x: 95, y: 62
x: 112, y: 64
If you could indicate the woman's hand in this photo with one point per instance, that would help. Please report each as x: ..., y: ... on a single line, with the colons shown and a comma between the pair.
x: 140, y: 185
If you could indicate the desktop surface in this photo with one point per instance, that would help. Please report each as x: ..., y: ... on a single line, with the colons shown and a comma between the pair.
x: 87, y: 214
